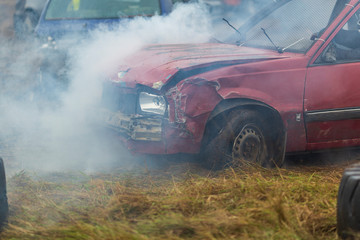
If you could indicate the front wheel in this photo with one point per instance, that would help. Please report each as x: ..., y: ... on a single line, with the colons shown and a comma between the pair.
x: 243, y: 137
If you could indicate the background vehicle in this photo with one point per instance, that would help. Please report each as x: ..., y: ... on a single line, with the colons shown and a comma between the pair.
x: 61, y: 17
x: 348, y: 206
x: 73, y: 19
x: 264, y: 93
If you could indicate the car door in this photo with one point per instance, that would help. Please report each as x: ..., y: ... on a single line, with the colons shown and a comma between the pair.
x: 332, y: 90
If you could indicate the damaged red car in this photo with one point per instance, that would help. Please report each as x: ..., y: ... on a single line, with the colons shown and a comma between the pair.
x: 286, y: 81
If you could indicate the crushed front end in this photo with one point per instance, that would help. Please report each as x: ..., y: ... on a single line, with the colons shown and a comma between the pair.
x: 137, y: 115
x: 159, y: 102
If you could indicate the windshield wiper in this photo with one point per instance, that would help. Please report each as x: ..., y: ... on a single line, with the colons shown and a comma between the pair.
x: 268, y: 37
x: 232, y: 26
x: 228, y: 23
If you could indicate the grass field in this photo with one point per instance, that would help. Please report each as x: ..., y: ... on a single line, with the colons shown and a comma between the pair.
x: 251, y: 203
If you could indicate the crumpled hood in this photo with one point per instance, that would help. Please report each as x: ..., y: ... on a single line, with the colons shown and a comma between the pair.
x: 155, y: 65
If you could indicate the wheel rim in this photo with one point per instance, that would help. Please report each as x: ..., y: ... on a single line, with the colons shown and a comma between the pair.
x: 248, y: 144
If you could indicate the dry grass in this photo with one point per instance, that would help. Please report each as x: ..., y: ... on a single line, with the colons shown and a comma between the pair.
x: 235, y: 204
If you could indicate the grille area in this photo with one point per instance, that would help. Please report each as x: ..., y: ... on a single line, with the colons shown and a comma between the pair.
x: 120, y: 99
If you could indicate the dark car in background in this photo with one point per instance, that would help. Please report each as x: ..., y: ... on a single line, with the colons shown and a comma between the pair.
x: 73, y: 20
x: 348, y: 206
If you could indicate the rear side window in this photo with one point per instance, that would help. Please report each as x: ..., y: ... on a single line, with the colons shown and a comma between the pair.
x: 95, y: 9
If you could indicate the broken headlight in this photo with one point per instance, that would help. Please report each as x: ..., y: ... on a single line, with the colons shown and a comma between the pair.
x: 151, y: 103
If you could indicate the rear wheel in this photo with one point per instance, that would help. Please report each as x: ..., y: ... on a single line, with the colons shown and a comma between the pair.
x: 243, y: 137
x: 348, y: 205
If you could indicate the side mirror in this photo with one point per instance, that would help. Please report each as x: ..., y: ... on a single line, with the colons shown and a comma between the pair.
x: 329, y: 54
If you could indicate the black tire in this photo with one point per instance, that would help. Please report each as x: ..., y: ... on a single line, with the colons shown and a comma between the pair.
x: 348, y: 205
x: 4, y: 207
x: 244, y: 136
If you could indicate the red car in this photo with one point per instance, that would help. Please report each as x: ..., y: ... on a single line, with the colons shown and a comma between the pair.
x: 289, y: 82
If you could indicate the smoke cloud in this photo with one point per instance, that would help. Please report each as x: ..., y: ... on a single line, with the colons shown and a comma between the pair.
x: 60, y: 136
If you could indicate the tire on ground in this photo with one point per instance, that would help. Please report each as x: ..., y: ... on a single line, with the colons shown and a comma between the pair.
x: 4, y: 208
x: 348, y: 205
x: 243, y: 135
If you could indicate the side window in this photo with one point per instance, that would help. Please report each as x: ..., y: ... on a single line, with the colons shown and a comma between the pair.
x: 345, y: 47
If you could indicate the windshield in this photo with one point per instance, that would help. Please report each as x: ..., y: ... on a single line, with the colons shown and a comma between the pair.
x: 291, y: 26
x: 95, y: 9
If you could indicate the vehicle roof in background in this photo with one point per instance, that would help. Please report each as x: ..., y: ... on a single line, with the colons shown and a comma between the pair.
x: 104, y: 9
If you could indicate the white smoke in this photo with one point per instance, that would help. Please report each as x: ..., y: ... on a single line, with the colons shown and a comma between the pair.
x: 61, y: 138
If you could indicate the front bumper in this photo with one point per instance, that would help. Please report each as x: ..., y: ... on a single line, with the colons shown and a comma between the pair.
x: 136, y: 127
